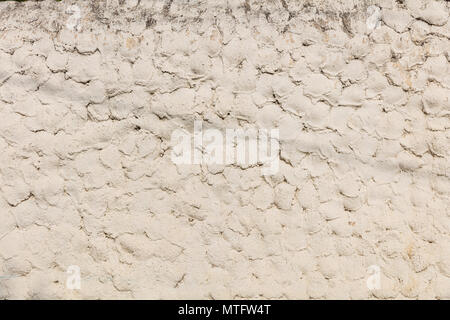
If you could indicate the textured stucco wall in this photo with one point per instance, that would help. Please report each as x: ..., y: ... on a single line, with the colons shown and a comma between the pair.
x: 87, y: 108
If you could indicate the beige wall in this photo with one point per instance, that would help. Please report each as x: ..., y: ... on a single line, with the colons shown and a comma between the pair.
x: 88, y: 106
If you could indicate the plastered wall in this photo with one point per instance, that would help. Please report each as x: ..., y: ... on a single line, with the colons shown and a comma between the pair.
x: 91, y: 91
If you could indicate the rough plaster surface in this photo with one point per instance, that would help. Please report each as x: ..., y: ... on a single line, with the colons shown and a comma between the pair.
x: 87, y: 106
